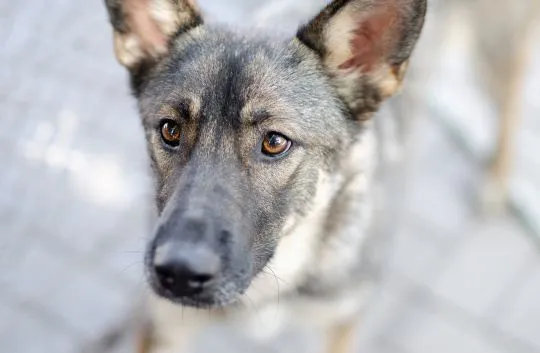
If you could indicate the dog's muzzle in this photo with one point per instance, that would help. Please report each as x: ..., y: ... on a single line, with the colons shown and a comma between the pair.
x: 196, y: 262
x: 185, y: 258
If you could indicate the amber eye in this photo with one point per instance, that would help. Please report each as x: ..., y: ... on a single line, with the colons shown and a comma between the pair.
x: 170, y: 133
x: 275, y: 144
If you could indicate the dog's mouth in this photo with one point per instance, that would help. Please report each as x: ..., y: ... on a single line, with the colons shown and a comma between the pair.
x: 218, y: 295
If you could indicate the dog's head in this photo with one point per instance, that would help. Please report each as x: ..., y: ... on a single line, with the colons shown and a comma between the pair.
x: 242, y: 128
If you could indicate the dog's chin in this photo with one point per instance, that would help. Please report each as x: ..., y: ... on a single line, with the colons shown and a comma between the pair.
x: 199, y: 301
x: 215, y: 298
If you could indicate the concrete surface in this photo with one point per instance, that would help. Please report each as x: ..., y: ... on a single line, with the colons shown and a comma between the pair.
x: 73, y: 190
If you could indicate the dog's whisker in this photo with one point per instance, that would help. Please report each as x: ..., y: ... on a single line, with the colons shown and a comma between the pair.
x: 251, y: 306
x: 277, y: 284
x: 132, y: 252
x: 127, y: 267
x: 275, y: 275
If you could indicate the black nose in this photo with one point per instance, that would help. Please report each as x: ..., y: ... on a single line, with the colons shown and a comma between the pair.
x: 184, y: 268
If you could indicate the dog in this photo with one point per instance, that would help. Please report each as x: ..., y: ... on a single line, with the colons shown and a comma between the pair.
x: 264, y: 154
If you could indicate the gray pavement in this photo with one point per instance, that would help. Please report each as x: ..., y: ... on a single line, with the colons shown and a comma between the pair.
x: 74, y: 185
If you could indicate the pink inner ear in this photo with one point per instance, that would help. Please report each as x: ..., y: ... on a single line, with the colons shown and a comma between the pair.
x: 144, y: 26
x: 373, y: 39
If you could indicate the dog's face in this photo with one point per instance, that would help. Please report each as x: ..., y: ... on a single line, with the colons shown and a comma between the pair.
x: 241, y: 128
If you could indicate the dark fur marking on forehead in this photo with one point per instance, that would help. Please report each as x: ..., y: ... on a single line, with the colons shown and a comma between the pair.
x: 230, y: 88
x: 234, y: 73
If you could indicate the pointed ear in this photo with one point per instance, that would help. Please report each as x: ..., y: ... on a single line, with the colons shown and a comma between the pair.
x: 365, y: 46
x: 143, y: 28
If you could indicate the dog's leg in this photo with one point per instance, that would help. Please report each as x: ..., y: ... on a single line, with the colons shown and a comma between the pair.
x: 508, y: 71
x: 496, y: 190
x: 497, y: 184
x: 340, y: 338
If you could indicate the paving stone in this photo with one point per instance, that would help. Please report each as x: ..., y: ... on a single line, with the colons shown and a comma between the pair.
x: 377, y: 324
x: 415, y: 254
x: 88, y: 303
x: 425, y: 330
x: 7, y: 315
x: 522, y: 318
x: 489, y: 259
x: 32, y: 269
x: 437, y: 185
x: 27, y: 334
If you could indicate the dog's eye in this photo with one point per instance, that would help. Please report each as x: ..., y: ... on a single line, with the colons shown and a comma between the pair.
x: 275, y: 144
x: 170, y: 133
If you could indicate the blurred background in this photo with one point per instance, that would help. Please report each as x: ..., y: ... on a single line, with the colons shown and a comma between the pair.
x: 74, y: 188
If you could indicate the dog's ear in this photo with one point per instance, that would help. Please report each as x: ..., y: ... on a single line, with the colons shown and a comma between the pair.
x: 143, y: 28
x: 365, y: 46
